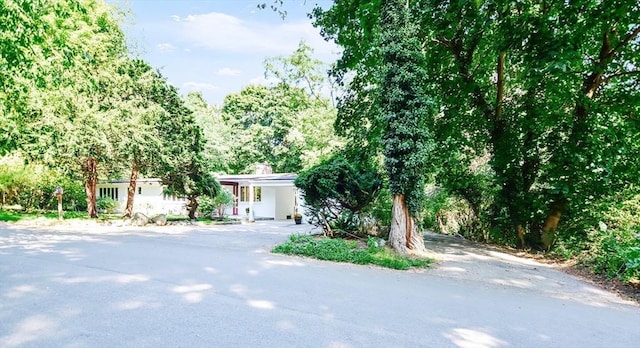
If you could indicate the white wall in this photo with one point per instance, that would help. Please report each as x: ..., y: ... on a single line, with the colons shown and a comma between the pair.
x: 285, y: 202
x: 150, y: 202
x: 264, y: 208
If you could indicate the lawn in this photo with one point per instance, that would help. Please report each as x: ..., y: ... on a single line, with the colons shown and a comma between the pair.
x: 350, y: 251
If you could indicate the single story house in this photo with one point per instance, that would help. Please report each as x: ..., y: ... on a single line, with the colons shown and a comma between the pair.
x: 268, y: 196
x: 149, y: 198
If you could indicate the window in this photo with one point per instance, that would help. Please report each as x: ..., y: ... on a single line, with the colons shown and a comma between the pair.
x: 139, y: 190
x: 244, y: 194
x: 111, y: 192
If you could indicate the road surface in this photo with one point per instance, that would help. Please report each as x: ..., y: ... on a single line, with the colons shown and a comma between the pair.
x: 219, y: 286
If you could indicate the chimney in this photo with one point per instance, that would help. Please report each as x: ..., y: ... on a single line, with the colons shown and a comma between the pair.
x: 263, y: 168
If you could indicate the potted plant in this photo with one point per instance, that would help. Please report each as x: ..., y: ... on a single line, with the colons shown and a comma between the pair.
x: 297, y: 217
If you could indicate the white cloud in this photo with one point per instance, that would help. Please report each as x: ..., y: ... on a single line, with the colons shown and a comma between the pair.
x: 228, y: 72
x: 165, y: 47
x: 176, y: 18
x: 261, y: 80
x: 200, y: 86
x: 222, y: 32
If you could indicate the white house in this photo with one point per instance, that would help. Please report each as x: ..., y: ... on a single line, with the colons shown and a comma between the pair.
x: 268, y: 196
x: 149, y: 197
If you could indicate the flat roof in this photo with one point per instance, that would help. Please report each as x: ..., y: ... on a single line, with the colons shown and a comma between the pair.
x: 126, y: 181
x: 258, y: 177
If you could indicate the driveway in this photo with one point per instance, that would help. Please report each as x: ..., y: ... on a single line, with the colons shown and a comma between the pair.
x: 218, y: 286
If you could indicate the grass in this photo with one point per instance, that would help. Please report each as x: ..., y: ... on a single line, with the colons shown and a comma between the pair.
x: 13, y: 216
x: 340, y: 250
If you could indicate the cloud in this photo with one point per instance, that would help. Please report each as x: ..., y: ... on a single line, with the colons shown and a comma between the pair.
x: 165, y: 47
x: 200, y: 86
x: 228, y: 72
x: 225, y: 33
x: 176, y: 18
x: 261, y: 80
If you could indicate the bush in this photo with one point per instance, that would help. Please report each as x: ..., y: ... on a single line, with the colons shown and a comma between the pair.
x: 107, y: 204
x: 614, y: 242
x: 337, y: 194
x: 31, y: 186
x: 208, y: 206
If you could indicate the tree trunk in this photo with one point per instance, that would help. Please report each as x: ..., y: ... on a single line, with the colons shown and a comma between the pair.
x: 404, y: 237
x: 192, y: 206
x: 548, y: 233
x: 90, y: 182
x: 131, y: 191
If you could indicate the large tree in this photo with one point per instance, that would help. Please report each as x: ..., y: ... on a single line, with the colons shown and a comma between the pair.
x: 62, y: 84
x: 406, y: 114
x: 287, y: 124
x: 181, y: 165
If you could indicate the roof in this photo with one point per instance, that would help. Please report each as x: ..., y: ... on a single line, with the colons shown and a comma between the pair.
x: 258, y: 177
x: 126, y: 181
x: 263, y: 178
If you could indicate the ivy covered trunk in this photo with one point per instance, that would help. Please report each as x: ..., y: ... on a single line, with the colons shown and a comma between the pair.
x: 90, y: 170
x: 404, y: 237
x: 131, y: 191
x: 406, y: 114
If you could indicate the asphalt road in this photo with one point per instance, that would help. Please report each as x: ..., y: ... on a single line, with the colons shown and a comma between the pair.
x: 219, y: 286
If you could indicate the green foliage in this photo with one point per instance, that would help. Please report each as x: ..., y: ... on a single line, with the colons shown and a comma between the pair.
x: 287, y: 125
x: 223, y: 200
x: 107, y: 204
x: 341, y: 250
x: 13, y: 216
x: 535, y: 104
x: 31, y: 186
x: 338, y: 193
x: 218, y: 134
x: 407, y: 110
x: 9, y: 216
x: 612, y: 244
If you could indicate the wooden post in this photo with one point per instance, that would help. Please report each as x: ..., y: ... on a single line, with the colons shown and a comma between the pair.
x: 252, y: 217
x: 58, y: 193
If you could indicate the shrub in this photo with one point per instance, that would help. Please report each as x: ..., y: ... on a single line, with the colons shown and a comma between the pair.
x: 337, y: 193
x: 614, y: 242
x: 107, y: 204
x: 31, y: 186
x: 208, y: 206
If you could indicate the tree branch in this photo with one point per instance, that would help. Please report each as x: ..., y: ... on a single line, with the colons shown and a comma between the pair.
x: 606, y: 79
x: 632, y: 35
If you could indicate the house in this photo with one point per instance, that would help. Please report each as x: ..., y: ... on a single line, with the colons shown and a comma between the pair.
x: 268, y: 196
x: 149, y: 198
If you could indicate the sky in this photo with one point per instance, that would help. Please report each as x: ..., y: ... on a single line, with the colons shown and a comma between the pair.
x: 218, y: 47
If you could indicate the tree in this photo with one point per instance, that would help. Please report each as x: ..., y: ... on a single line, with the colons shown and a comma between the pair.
x: 218, y: 134
x: 181, y: 165
x: 287, y: 125
x: 65, y: 85
x: 406, y: 112
x: 138, y: 142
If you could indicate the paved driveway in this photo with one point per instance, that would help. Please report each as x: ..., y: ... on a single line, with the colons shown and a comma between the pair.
x: 219, y: 286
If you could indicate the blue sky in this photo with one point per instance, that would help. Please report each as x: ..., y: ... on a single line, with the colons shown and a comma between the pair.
x: 218, y: 46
